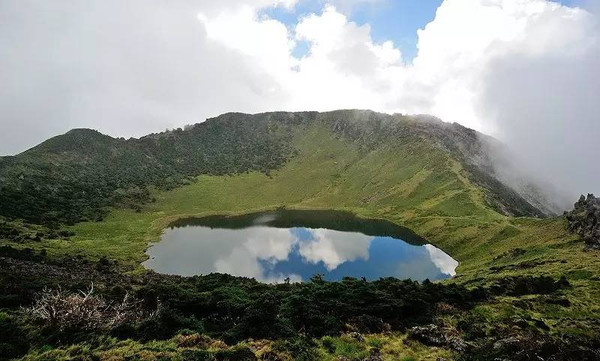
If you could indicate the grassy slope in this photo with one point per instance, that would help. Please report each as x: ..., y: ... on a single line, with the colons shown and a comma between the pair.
x: 414, y: 185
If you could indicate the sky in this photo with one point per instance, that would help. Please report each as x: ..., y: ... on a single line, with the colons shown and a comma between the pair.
x: 397, y: 21
x: 524, y: 71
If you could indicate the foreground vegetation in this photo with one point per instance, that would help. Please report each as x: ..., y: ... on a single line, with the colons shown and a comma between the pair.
x: 231, y: 318
x: 524, y: 287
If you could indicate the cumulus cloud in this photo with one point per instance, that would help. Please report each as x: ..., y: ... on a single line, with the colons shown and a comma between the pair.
x: 201, y: 250
x: 446, y: 264
x: 527, y: 72
x: 524, y: 71
x: 334, y: 247
x: 269, y: 244
x: 247, y: 249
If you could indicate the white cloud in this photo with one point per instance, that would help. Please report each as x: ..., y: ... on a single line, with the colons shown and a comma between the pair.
x: 202, y: 250
x: 269, y: 244
x: 249, y: 247
x: 524, y: 71
x: 334, y: 247
x: 446, y: 264
x: 126, y: 69
x: 344, y: 47
x: 263, y: 40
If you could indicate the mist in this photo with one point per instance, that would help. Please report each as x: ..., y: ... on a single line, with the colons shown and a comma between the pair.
x: 545, y: 108
x: 551, y: 123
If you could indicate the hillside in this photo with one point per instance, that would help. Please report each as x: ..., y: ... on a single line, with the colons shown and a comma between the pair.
x: 82, y: 207
x: 74, y: 176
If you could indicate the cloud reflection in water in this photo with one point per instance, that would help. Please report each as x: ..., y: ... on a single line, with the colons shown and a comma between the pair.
x: 272, y: 254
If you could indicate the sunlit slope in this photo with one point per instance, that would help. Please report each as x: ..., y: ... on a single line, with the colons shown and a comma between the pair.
x: 409, y: 180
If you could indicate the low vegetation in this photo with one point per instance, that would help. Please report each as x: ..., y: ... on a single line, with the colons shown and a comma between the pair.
x: 214, y: 311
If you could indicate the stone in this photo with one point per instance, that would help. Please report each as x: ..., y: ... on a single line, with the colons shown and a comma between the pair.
x: 584, y: 220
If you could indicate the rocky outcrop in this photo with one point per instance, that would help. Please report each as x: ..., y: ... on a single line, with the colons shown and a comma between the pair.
x: 434, y: 335
x: 584, y: 220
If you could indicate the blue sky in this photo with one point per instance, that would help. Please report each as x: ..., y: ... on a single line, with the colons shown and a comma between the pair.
x: 395, y: 20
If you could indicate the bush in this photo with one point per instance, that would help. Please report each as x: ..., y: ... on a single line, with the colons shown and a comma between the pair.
x: 13, y: 342
x: 84, y: 311
x: 328, y: 344
x: 301, y: 348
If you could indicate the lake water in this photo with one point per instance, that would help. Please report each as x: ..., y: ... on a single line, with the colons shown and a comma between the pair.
x: 275, y: 246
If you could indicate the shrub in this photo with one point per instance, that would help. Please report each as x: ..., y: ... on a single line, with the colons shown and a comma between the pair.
x: 85, y: 311
x: 328, y: 344
x: 301, y: 348
x: 13, y: 344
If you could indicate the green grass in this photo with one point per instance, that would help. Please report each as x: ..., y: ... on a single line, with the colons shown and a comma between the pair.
x: 392, y: 347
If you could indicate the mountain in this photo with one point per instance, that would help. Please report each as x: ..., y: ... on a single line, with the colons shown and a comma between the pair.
x: 76, y: 176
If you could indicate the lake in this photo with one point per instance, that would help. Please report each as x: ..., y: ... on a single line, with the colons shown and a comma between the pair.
x: 295, y: 245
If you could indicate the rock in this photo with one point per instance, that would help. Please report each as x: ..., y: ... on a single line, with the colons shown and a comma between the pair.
x: 508, y: 344
x: 357, y: 336
x: 374, y: 356
x: 270, y: 356
x: 430, y: 335
x: 523, y: 304
x: 511, y: 254
x: 458, y: 345
x: 558, y: 300
x: 584, y: 220
x: 433, y: 335
x: 527, y: 285
x: 541, y: 324
x: 519, y: 322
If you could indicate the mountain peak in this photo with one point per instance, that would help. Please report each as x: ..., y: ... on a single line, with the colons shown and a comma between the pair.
x: 75, y: 140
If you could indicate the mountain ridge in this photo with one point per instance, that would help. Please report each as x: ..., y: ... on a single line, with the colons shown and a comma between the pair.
x: 106, y: 171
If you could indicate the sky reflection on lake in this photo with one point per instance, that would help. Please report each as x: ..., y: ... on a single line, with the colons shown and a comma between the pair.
x: 273, y: 254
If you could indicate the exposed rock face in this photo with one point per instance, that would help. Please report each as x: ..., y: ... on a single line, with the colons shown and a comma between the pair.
x: 584, y: 220
x: 430, y: 335
x: 433, y: 335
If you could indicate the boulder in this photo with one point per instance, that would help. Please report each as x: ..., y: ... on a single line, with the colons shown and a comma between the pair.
x: 433, y: 335
x: 357, y: 336
x: 430, y: 335
x: 584, y: 220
